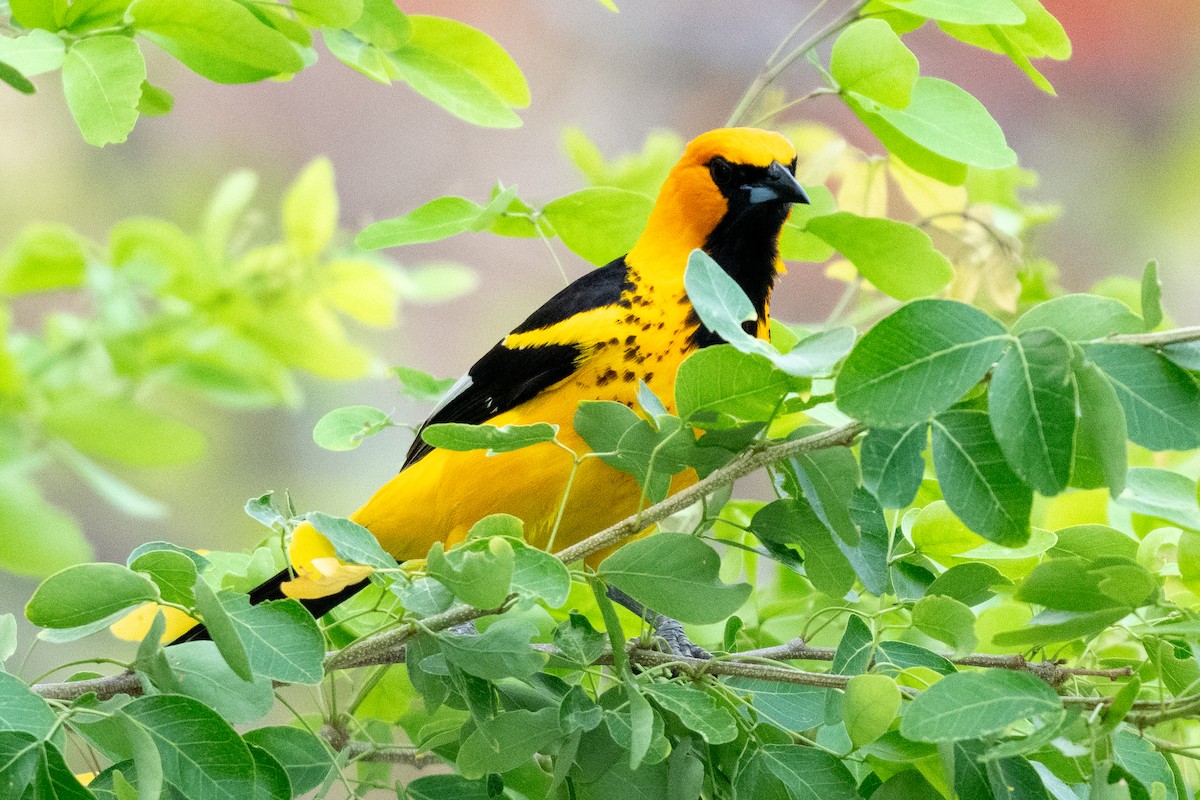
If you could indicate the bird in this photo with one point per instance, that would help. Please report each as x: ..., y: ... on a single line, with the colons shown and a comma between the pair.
x: 621, y: 325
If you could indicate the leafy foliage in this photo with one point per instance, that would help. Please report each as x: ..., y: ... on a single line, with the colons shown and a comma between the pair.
x: 983, y: 520
x: 97, y: 45
x: 216, y: 315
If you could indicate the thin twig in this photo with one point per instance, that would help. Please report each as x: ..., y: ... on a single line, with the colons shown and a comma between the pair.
x: 746, y: 463
x: 1173, y: 336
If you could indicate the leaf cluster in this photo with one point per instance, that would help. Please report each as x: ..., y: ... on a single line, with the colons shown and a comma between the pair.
x: 97, y: 47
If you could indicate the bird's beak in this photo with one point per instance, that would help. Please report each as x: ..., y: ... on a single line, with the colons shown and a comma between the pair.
x: 779, y: 186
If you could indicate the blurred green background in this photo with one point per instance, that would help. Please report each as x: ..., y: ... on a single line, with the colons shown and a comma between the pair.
x: 1117, y: 148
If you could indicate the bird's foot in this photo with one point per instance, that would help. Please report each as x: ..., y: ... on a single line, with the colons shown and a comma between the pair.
x: 670, y: 631
x: 464, y: 628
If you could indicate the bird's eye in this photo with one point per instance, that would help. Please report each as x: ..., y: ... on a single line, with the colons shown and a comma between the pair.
x: 722, y: 171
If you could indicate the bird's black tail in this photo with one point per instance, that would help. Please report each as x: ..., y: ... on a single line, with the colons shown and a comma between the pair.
x: 269, y: 590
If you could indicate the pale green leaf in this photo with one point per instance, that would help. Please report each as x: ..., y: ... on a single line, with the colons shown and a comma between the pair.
x: 968, y: 705
x: 869, y: 58
x: 437, y: 219
x: 218, y: 39
x: 600, y: 223
x: 897, y: 258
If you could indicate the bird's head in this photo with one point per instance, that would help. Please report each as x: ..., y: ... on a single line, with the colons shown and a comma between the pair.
x: 729, y: 195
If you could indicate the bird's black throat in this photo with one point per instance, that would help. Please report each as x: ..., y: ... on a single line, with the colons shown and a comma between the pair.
x: 746, y: 245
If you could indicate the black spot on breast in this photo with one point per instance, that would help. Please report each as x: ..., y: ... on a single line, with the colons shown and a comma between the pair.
x: 630, y: 339
x: 629, y: 377
x: 608, y: 377
x: 632, y: 353
x: 648, y: 377
x: 624, y: 303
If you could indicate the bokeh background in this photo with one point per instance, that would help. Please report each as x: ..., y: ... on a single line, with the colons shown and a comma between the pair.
x: 1119, y: 148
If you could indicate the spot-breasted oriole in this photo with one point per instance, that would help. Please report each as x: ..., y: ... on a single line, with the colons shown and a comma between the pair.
x: 626, y: 322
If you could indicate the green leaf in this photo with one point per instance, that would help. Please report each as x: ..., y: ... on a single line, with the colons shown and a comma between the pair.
x: 13, y: 77
x: 359, y: 55
x: 22, y: 710
x: 537, y: 575
x: 969, y: 705
x: 1039, y: 36
x: 1050, y: 626
x: 1072, y: 584
x: 345, y: 428
x: 577, y: 641
x: 450, y: 79
x: 421, y: 385
x: 461, y: 437
x: 1031, y: 405
x: 829, y: 478
x: 102, y: 81
x: 897, y: 258
x: 507, y: 741
x: 721, y: 383
x: 1159, y: 398
x: 918, y: 361
x: 944, y: 120
x: 43, y: 257
x: 1090, y: 542
x: 722, y: 306
x: 968, y: 583
x: 790, y: 706
x: 808, y: 773
x: 479, y: 574
x: 173, y: 573
x: 968, y: 12
x: 794, y: 521
x: 19, y: 760
x: 1101, y: 452
x: 631, y: 444
x: 59, y: 541
x: 501, y: 651
x: 437, y: 219
x: 447, y: 787
x: 34, y: 53
x: 1138, y: 757
x: 302, y: 755
x: 271, y: 780
x: 382, y: 24
x: 677, y: 575
x: 902, y: 145
x: 222, y: 629
x: 1080, y: 317
x: 202, y: 756
x: 978, y: 484
x: 351, y: 541
x: 115, y: 428
x: 332, y: 13
x: 474, y: 51
x: 198, y: 670
x: 218, y: 39
x: 698, y: 710
x: 1152, y: 312
x: 896, y: 656
x: 947, y: 620
x: 86, y: 593
x: 871, y: 703
x: 892, y: 466
x: 600, y: 223
x: 310, y: 208
x: 282, y: 640
x: 1162, y: 493
x: 869, y: 58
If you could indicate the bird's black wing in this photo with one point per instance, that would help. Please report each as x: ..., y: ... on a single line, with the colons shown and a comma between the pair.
x: 506, y: 377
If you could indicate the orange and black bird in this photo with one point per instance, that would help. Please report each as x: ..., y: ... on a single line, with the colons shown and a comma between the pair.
x: 626, y: 322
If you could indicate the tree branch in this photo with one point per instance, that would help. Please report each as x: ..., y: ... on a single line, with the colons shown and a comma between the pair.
x: 746, y: 463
